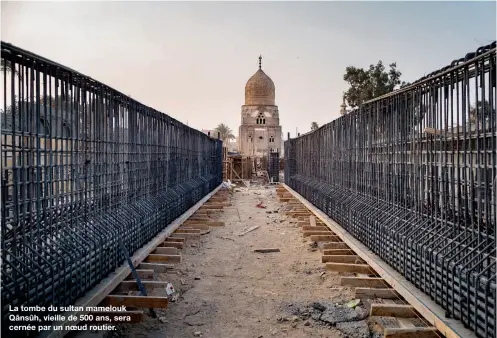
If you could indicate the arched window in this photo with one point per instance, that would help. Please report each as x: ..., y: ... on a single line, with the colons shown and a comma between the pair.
x: 271, y: 138
x: 260, y: 119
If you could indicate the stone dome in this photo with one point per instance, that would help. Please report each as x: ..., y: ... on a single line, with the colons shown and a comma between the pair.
x: 260, y: 89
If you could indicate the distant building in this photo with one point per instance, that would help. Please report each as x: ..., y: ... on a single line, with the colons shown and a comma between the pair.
x: 260, y: 130
x: 232, y: 146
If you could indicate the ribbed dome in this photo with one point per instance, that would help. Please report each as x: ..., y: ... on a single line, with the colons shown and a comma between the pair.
x: 259, y: 89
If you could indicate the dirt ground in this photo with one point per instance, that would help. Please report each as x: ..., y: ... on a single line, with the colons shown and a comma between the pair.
x: 227, y: 290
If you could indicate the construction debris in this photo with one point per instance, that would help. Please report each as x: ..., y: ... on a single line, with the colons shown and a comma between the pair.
x: 266, y: 250
x: 249, y: 230
x: 261, y: 206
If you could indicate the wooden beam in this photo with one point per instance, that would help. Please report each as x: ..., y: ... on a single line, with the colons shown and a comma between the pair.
x: 179, y: 236
x: 393, y: 310
x: 117, y: 317
x: 347, y: 267
x: 315, y: 228
x: 432, y: 312
x: 200, y: 218
x: 198, y: 226
x: 338, y: 252
x: 210, y: 206
x: 187, y: 231
x: 189, y: 235
x: 157, y: 267
x: 149, y: 302
x: 175, y: 239
x: 414, y: 332
x: 387, y: 293
x: 133, y: 285
x: 370, y: 282
x: 145, y: 274
x: 323, y: 238
x: 166, y: 251
x: 215, y: 224
x: 168, y: 244
x: 317, y: 233
x: 299, y: 214
x: 152, y: 258
x: 335, y: 245
x: 342, y: 259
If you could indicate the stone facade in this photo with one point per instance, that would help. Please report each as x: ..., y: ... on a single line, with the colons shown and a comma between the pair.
x: 260, y: 130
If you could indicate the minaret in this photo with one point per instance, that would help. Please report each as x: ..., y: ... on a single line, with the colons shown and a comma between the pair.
x: 343, y: 111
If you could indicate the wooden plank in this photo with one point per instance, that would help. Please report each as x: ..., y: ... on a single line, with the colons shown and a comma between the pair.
x: 342, y: 259
x: 166, y: 251
x: 132, y: 285
x: 347, y: 267
x: 152, y: 258
x: 386, y: 293
x: 178, y: 245
x: 338, y: 252
x: 266, y: 250
x: 190, y: 236
x: 187, y: 231
x: 200, y: 218
x: 315, y: 228
x: 143, y: 274
x: 175, y: 239
x: 117, y: 317
x: 300, y: 214
x: 215, y: 224
x: 431, y: 311
x: 393, y: 310
x: 335, y: 245
x: 211, y: 206
x: 99, y: 292
x: 415, y: 332
x: 317, y: 233
x: 198, y: 226
x: 312, y: 220
x: 157, y: 267
x: 179, y: 236
x: 371, y: 282
x: 149, y: 302
x: 323, y: 238
x: 296, y: 211
x: 203, y: 213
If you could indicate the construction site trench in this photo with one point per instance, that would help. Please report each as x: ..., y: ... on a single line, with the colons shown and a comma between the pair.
x: 249, y: 263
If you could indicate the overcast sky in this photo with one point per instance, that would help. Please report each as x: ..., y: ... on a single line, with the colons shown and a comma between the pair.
x: 191, y: 60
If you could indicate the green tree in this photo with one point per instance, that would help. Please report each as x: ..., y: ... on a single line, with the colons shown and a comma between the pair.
x: 481, y: 109
x: 368, y: 84
x: 225, y: 132
x: 314, y: 126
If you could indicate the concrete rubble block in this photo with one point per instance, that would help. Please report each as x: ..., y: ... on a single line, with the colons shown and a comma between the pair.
x: 357, y: 329
x: 338, y: 314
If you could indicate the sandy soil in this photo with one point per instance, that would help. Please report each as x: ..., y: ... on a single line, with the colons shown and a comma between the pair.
x: 227, y: 290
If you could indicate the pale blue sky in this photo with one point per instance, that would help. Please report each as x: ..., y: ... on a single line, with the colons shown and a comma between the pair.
x: 192, y: 59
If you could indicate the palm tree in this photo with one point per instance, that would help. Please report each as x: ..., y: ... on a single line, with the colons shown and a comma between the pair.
x: 314, y: 126
x: 225, y: 132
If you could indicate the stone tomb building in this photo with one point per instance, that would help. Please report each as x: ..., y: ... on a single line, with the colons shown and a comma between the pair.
x: 260, y: 130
